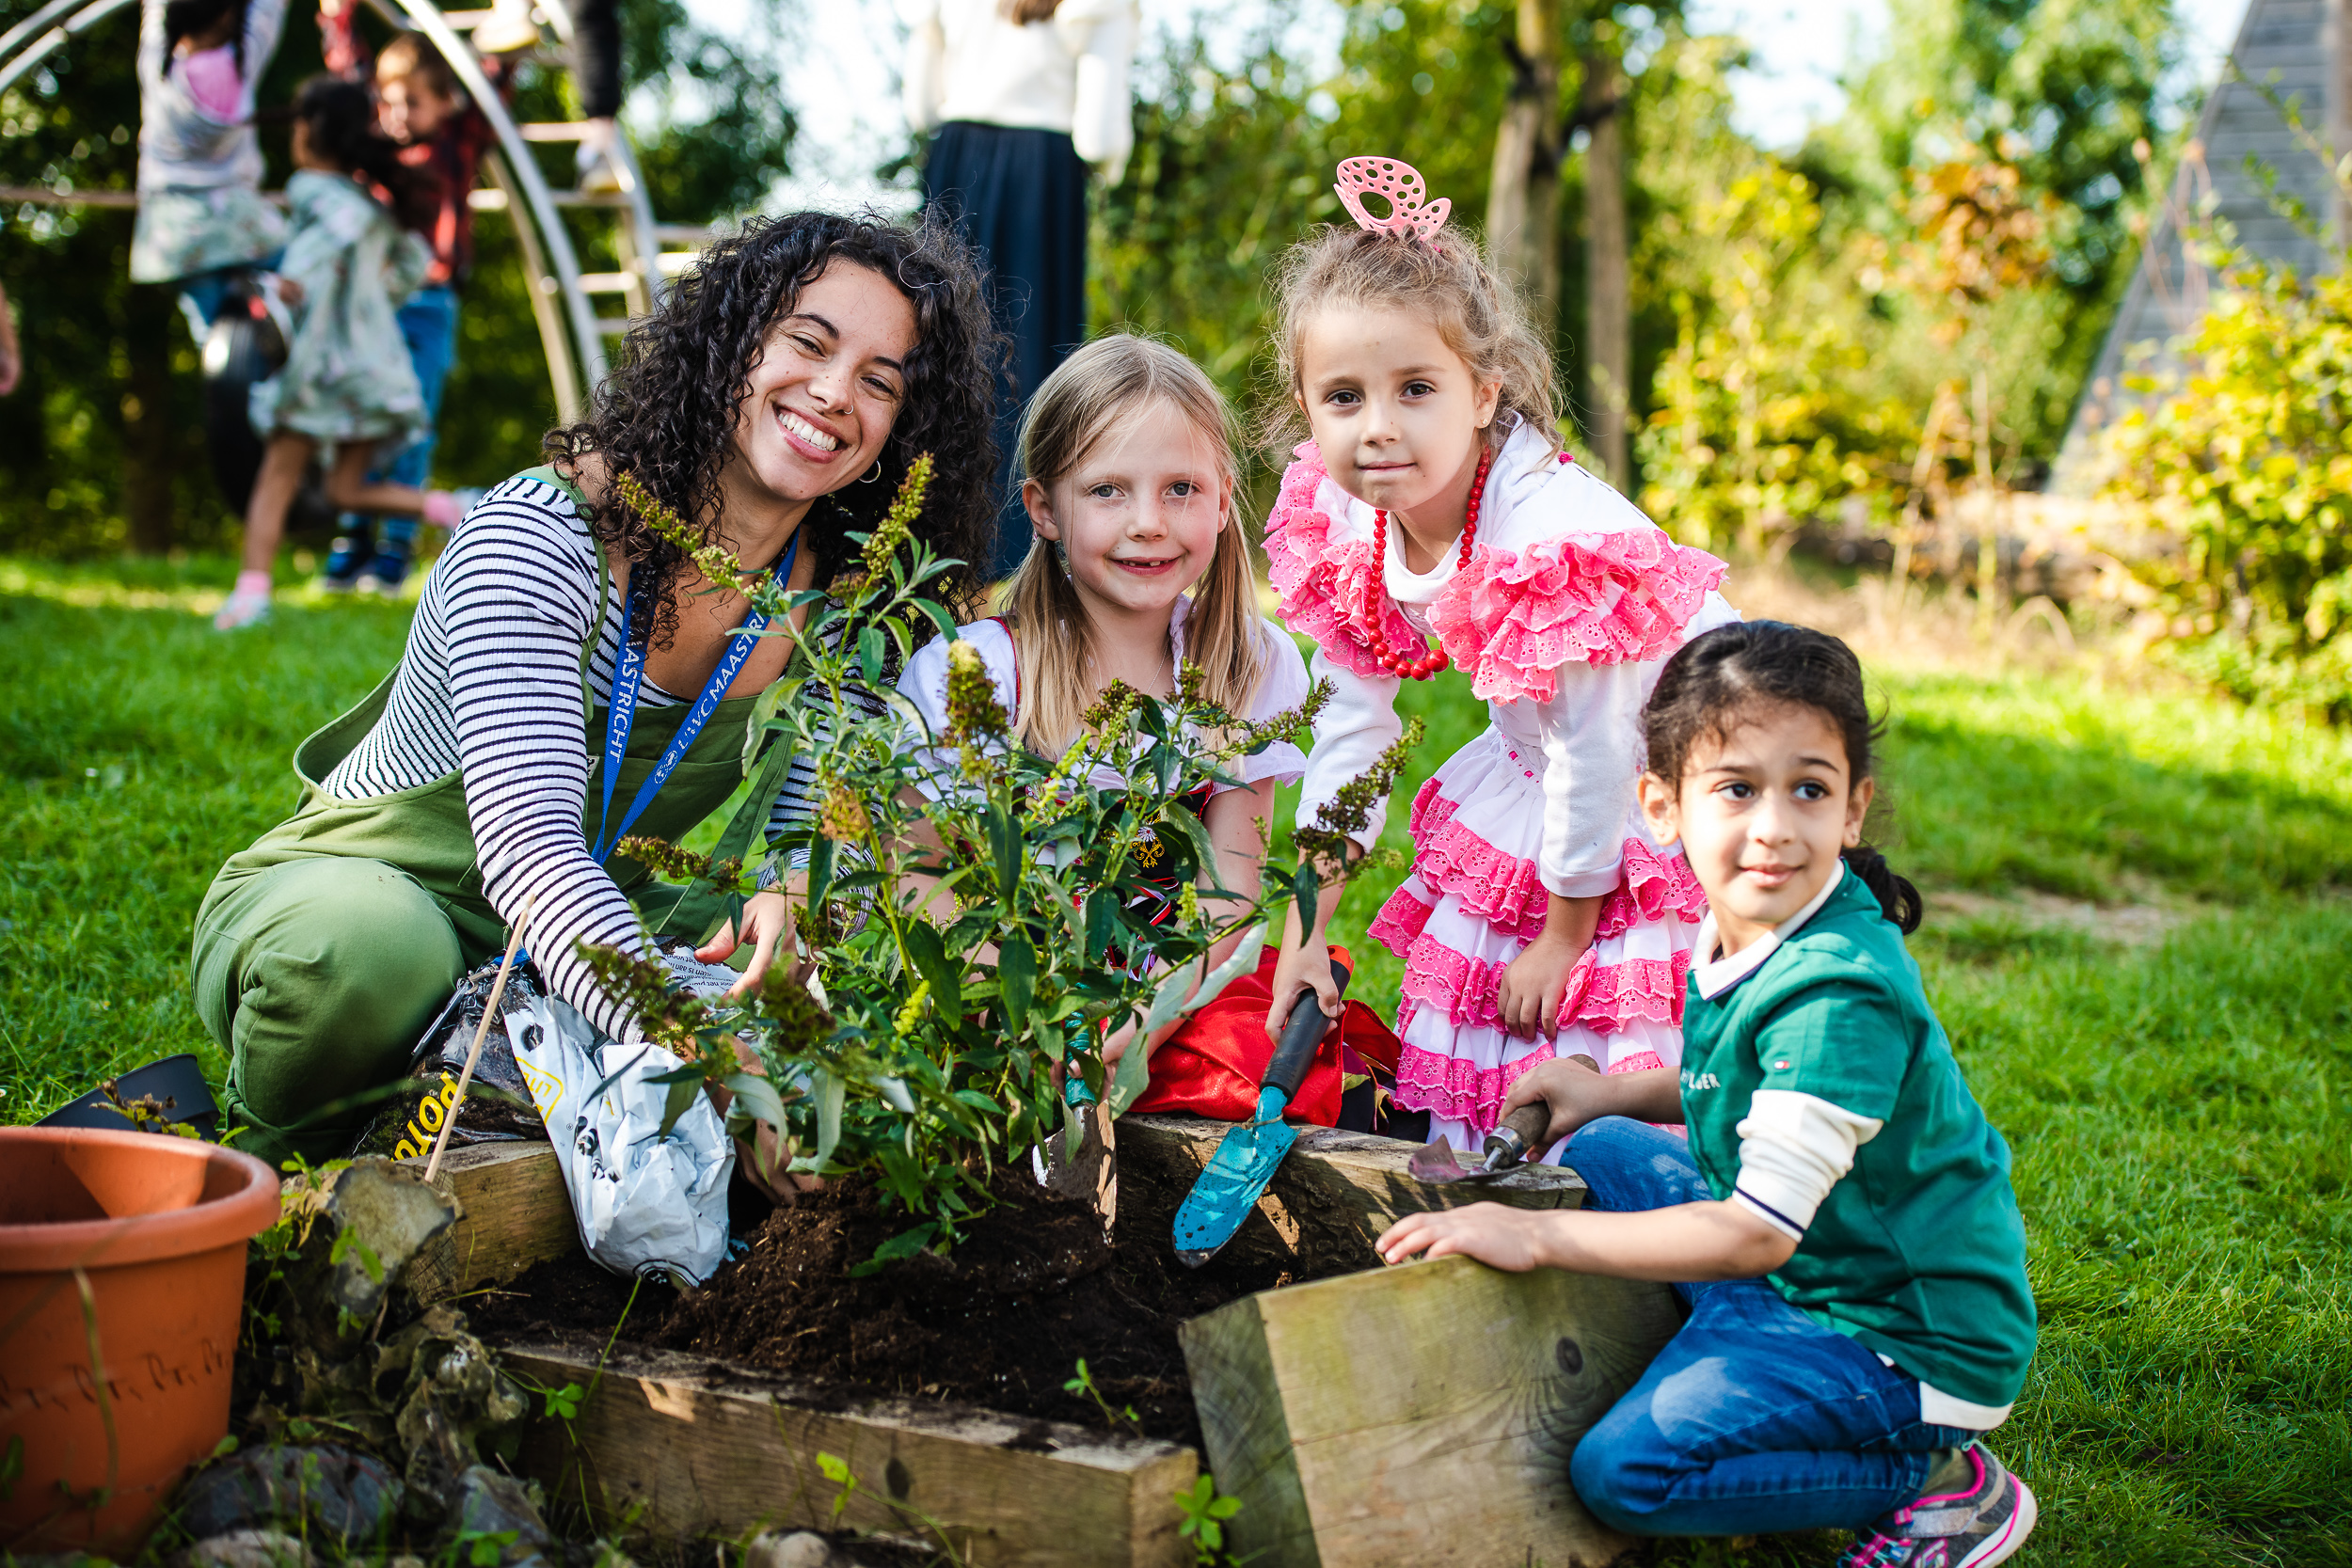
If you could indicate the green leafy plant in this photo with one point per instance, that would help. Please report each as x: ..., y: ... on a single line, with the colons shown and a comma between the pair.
x: 1206, y: 1509
x: 836, y: 1469
x: 144, y: 1112
x: 1123, y: 1416
x: 2245, y: 457
x: 969, y: 954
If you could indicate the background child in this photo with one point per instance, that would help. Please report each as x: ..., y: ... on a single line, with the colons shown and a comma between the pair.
x: 1136, y: 563
x: 1540, y: 918
x: 441, y: 137
x: 1833, y: 1149
x: 201, y: 218
x: 346, y: 381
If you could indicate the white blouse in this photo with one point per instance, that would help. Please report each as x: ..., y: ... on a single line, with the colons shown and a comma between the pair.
x: 966, y: 60
x: 1282, y: 686
x: 1587, y: 731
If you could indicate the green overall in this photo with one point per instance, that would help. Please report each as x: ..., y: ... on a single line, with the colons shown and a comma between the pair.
x: 322, y: 951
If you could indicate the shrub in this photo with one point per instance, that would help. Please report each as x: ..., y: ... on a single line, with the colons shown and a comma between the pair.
x: 967, y: 947
x: 2244, y: 454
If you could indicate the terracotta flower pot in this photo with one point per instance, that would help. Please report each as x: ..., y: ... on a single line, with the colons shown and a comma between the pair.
x: 121, y: 1277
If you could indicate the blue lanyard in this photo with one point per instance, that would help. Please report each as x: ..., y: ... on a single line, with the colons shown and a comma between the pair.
x: 629, y: 676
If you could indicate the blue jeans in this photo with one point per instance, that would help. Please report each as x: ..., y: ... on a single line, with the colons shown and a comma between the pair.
x: 428, y: 325
x: 1753, y: 1418
x: 202, y: 293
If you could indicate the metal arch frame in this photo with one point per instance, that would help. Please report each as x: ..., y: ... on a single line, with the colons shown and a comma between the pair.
x: 545, y: 243
x: 40, y: 46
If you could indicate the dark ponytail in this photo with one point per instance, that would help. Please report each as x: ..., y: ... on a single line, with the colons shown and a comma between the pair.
x: 340, y: 117
x: 1724, y: 676
x: 1896, y: 895
x: 184, y: 19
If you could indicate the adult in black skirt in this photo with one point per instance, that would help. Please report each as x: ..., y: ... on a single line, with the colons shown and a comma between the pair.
x: 1026, y: 96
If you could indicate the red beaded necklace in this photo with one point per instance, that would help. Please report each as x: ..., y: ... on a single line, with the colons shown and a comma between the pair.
x: 1432, y: 659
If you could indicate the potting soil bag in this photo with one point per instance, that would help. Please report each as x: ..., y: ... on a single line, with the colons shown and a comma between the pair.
x: 646, y: 1203
x: 497, y: 1106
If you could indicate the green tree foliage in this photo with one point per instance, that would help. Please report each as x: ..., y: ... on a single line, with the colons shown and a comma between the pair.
x: 2061, y: 89
x: 1760, y: 413
x: 115, y: 457
x: 2247, y: 456
x: 1236, y: 137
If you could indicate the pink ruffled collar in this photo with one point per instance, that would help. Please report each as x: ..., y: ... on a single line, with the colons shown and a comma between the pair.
x: 1509, y: 618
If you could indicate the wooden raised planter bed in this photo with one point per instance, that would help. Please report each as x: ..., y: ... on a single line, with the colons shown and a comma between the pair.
x: 1406, y: 1416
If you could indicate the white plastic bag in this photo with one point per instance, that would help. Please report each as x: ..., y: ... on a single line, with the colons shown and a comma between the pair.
x: 645, y: 1204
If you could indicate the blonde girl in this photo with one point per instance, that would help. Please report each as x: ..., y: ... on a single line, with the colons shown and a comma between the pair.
x: 1137, y: 562
x: 1541, y: 918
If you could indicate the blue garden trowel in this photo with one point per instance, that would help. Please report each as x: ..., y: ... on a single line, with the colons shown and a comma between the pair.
x: 1232, y: 1183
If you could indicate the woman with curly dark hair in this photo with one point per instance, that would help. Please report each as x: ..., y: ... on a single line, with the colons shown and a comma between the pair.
x: 775, y: 400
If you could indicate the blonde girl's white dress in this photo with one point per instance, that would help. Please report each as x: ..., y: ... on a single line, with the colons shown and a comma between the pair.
x: 1569, y: 606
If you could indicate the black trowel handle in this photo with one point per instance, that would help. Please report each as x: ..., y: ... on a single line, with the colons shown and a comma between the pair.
x: 1301, y: 1033
x: 1521, y: 1131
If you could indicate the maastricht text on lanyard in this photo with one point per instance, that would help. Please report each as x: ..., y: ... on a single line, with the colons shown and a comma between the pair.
x: 629, y: 677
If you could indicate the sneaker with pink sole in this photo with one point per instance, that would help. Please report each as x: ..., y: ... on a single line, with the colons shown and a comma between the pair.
x: 242, y: 611
x: 1975, y: 1528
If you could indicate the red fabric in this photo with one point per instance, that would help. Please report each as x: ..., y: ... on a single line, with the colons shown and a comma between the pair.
x: 1212, y: 1067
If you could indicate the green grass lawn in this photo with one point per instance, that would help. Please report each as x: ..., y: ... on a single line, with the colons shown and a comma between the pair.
x: 2178, y: 1091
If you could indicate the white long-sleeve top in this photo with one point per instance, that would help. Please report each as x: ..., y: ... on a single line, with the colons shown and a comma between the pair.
x: 1583, y: 739
x: 1283, y: 686
x: 967, y: 60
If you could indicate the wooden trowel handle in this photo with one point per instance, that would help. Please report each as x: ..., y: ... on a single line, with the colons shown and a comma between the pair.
x: 1519, y: 1132
x: 1301, y: 1033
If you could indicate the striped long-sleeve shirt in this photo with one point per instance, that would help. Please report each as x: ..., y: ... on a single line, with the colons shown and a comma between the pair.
x: 490, y: 684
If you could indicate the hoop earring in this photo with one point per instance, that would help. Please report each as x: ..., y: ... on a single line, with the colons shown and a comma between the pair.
x: 872, y: 474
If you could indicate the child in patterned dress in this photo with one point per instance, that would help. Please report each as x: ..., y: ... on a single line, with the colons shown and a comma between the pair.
x: 347, y: 381
x: 1541, y: 919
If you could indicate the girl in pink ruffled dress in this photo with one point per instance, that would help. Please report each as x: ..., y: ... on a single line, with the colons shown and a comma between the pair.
x: 1540, y: 919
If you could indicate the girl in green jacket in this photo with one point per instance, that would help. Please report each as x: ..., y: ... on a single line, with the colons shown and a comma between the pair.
x: 1839, y: 1221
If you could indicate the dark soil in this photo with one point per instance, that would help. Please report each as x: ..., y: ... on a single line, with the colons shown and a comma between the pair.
x: 568, y: 1296
x: 1001, y: 1320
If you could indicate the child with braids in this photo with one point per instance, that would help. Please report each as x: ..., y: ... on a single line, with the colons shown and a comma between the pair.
x: 1540, y: 919
x: 1138, y: 565
x: 1840, y: 1222
x: 347, y: 383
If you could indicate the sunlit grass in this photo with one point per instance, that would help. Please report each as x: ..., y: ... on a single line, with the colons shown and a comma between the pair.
x: 2178, y: 1109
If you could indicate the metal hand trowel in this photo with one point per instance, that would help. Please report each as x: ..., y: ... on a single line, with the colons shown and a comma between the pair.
x: 1231, y: 1182
x: 1507, y: 1148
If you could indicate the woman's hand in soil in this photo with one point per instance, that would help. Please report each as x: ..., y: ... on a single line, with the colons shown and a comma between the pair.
x: 766, y: 924
x: 763, y: 1156
x: 1505, y: 1238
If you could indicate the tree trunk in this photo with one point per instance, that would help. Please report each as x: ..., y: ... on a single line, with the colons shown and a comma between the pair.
x: 146, y: 435
x: 1608, y: 296
x: 1523, y: 204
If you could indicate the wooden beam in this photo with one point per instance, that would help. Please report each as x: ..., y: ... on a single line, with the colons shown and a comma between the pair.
x: 685, y: 1447
x: 1418, y: 1415
x: 1331, y: 1198
x: 512, y: 1212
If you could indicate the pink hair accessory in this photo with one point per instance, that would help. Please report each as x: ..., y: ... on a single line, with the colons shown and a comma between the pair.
x: 1401, y: 185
